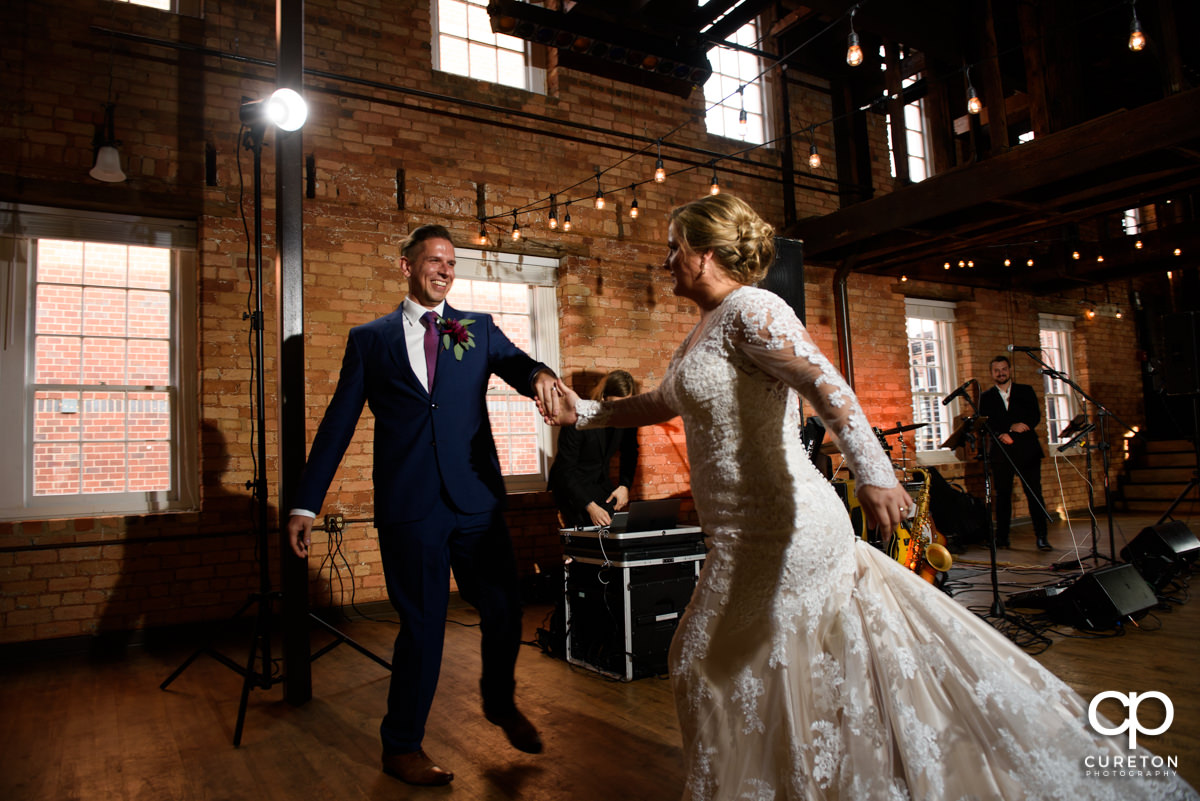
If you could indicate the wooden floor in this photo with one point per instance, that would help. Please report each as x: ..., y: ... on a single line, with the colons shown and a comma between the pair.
x: 79, y: 728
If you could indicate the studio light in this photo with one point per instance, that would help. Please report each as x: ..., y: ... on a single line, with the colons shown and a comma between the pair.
x: 285, y: 109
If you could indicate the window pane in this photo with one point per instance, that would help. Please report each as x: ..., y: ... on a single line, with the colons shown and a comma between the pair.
x: 103, y: 415
x: 57, y: 360
x: 103, y: 361
x: 56, y: 469
x: 452, y: 18
x: 150, y: 268
x: 512, y: 68
x: 482, y: 59
x: 149, y: 362
x: 60, y: 261
x: 59, y: 309
x: 56, y: 417
x: 149, y: 467
x: 453, y: 56
x: 103, y: 467
x: 104, y: 264
x: 103, y: 312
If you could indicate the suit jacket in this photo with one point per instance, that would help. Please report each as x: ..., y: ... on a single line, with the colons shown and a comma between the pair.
x: 423, y: 443
x: 1023, y: 407
x: 580, y: 473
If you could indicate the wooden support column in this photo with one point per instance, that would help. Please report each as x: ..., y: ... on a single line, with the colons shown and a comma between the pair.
x: 1034, y: 52
x: 993, y: 85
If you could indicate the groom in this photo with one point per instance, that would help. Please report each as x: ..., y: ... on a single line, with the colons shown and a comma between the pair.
x: 439, y: 495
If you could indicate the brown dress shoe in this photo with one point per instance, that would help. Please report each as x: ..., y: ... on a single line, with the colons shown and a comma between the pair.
x: 517, y: 728
x: 415, y: 768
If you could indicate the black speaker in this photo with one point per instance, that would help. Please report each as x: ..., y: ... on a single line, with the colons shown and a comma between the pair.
x: 1161, y: 552
x: 786, y: 276
x: 1181, y: 353
x: 1102, y: 598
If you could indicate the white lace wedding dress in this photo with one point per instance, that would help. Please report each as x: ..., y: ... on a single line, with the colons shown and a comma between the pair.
x: 809, y: 665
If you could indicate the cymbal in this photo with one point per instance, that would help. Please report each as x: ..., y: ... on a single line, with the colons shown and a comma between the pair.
x: 901, y: 429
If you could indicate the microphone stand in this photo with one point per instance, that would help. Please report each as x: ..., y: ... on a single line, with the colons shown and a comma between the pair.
x: 997, y: 611
x: 1102, y: 415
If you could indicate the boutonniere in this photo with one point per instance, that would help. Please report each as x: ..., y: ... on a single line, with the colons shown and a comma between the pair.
x: 454, y: 332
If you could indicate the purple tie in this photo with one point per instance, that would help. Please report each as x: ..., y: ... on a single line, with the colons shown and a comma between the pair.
x: 431, y: 337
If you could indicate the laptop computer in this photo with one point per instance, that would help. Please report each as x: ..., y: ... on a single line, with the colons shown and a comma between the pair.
x: 646, y: 516
x: 646, y: 525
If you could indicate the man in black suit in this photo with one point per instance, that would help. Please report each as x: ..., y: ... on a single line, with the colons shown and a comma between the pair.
x: 1013, y: 412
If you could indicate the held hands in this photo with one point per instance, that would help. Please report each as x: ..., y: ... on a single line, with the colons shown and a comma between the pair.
x: 299, y: 529
x: 546, y: 394
x: 559, y: 408
x: 886, y: 507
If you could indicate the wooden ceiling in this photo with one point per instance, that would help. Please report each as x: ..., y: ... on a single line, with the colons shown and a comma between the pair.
x: 1112, y: 129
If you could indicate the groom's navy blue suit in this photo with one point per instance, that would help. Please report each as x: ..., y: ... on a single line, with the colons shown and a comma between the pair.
x: 438, y: 501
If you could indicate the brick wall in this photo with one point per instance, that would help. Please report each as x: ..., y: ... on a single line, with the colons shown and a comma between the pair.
x: 74, y: 577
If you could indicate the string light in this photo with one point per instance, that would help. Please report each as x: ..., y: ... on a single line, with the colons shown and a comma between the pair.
x: 946, y: 266
x: 1178, y: 252
x: 743, y: 119
x: 814, y: 158
x: 599, y: 194
x: 483, y: 234
x: 1100, y: 259
x: 1138, y: 244
x: 1137, y: 39
x: 854, y: 52
x: 1007, y: 262
x: 903, y: 278
x: 633, y: 207
x: 1029, y: 263
x: 974, y: 105
x: 660, y: 172
x: 553, y: 212
x: 1075, y: 255
x: 516, y: 231
x: 715, y: 187
x: 567, y: 217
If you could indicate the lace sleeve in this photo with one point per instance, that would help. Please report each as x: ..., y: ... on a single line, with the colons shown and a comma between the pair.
x: 768, y: 332
x: 644, y: 409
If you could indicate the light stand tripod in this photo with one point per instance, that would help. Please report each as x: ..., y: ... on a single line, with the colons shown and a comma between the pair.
x: 285, y: 109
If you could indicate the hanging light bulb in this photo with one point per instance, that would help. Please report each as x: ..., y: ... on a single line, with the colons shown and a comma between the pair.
x: 1138, y: 244
x: 567, y: 219
x: 814, y: 158
x: 946, y: 266
x: 1120, y: 313
x: 599, y: 194
x: 854, y: 52
x: 743, y: 119
x: 1007, y: 262
x: 1029, y: 263
x: 633, y: 209
x: 903, y: 278
x: 974, y: 104
x: 516, y: 231
x: 1100, y: 259
x: 1137, y: 39
x: 660, y: 172
x: 1090, y: 314
x: 970, y: 262
x: 553, y: 221
x: 1075, y: 255
x: 714, y: 188
x: 483, y: 234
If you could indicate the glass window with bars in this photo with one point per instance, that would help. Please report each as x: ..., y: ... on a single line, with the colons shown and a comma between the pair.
x: 930, y: 367
x: 464, y: 44
x: 733, y: 70
x: 526, y: 314
x: 101, y: 389
x: 1056, y: 334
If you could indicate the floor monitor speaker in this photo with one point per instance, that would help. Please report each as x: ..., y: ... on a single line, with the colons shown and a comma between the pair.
x: 1162, y: 552
x: 1102, y: 598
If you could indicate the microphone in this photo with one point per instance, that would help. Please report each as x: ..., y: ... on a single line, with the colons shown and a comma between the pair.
x: 958, y: 392
x: 1022, y: 349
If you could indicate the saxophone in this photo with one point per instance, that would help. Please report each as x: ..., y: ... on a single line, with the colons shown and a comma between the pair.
x: 920, y: 548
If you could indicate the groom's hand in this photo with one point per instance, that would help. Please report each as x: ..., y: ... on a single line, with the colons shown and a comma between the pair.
x: 299, y: 529
x: 546, y: 394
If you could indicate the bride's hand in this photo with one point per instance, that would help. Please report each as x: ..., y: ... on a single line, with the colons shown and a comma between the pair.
x: 885, y: 507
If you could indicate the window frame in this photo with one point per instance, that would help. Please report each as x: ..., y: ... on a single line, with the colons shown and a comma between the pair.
x: 540, y: 274
x: 717, y: 105
x: 534, y: 76
x: 1060, y: 356
x: 942, y: 315
x: 21, y: 227
x: 185, y: 8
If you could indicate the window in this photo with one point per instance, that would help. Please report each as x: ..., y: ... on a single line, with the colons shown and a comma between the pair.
x: 733, y: 70
x: 99, y: 367
x: 189, y: 7
x: 463, y: 43
x: 931, y: 369
x: 518, y: 291
x: 915, y: 136
x: 1056, y: 334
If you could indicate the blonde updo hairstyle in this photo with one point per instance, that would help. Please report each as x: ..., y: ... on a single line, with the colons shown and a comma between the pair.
x: 741, y: 241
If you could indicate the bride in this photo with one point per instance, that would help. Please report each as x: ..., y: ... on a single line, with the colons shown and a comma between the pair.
x: 809, y: 665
